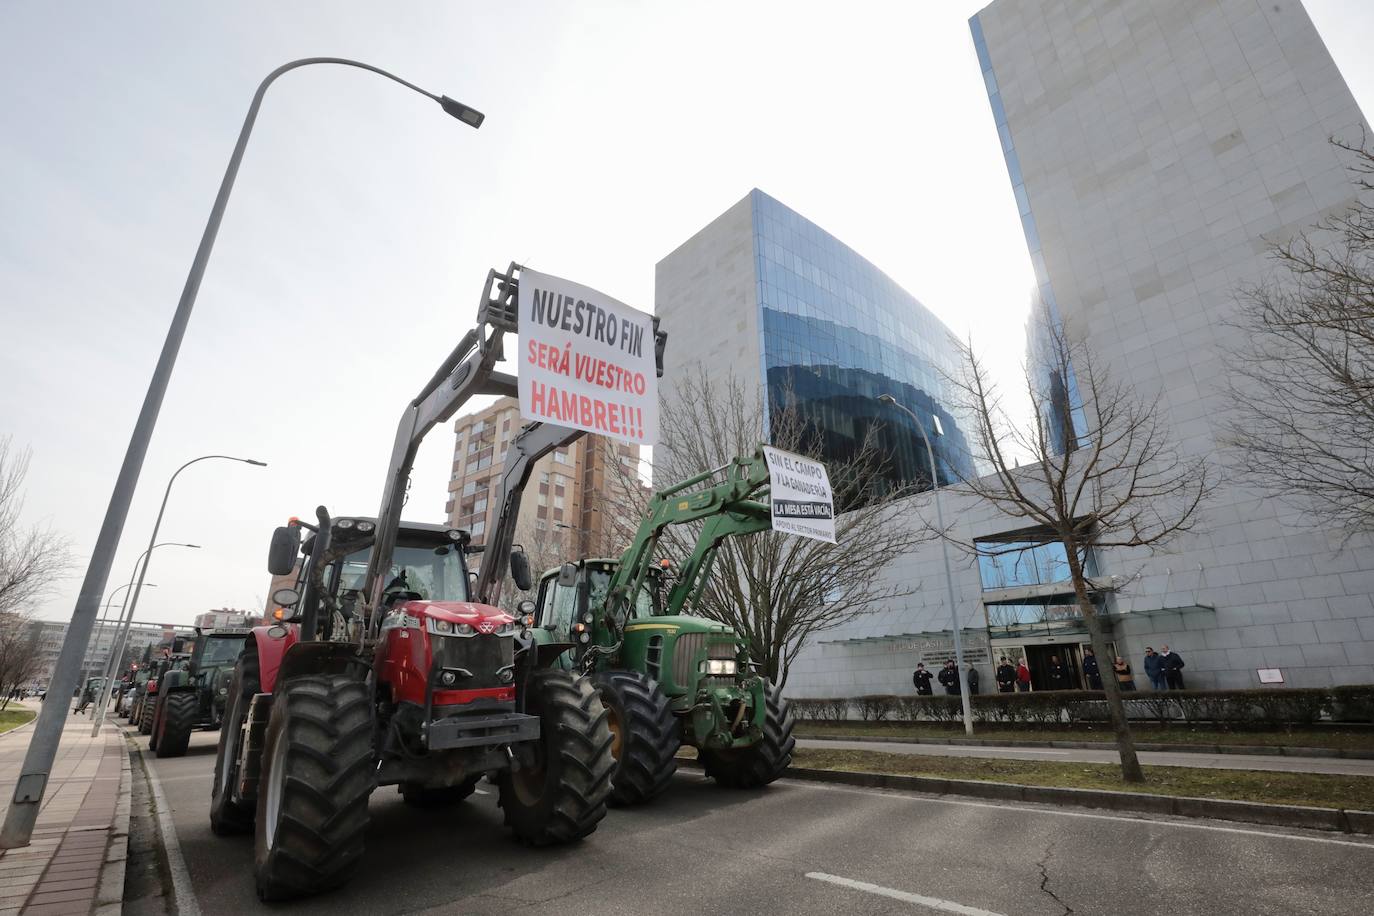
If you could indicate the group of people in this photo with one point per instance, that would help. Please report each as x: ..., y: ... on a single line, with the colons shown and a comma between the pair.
x: 1164, y: 669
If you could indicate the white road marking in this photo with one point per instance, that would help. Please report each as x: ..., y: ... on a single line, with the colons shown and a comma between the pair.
x: 897, y: 793
x: 934, y: 903
x: 186, y: 904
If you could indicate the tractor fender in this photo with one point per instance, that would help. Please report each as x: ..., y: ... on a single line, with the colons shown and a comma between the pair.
x: 319, y: 658
x: 271, y: 644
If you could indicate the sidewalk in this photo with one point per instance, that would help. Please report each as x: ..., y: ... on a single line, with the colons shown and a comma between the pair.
x: 75, y: 863
x: 1337, y: 766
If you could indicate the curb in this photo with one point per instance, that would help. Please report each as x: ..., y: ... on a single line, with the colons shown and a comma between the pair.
x: 1241, y: 749
x: 109, y: 898
x: 1334, y: 819
x: 19, y: 728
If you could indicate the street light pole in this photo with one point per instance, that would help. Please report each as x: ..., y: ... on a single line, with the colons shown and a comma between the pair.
x: 121, y: 629
x: 47, y: 731
x: 944, y: 551
x: 122, y: 632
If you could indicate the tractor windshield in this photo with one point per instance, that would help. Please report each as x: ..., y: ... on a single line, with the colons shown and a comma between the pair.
x: 599, y: 580
x: 221, y: 652
x: 433, y: 573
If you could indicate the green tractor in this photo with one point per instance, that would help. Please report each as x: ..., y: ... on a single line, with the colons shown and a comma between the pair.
x: 193, y: 695
x: 668, y: 678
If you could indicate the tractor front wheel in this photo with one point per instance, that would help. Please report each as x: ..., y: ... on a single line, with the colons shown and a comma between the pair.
x: 178, y: 719
x: 761, y: 763
x: 316, y: 778
x: 644, y: 735
x: 228, y: 816
x: 155, y: 724
x: 558, y: 793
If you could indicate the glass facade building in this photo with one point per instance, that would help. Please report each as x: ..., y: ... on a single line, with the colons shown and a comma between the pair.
x: 835, y: 332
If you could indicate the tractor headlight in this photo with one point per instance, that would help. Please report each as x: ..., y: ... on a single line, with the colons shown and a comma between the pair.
x: 584, y: 637
x: 507, y: 629
x: 224, y: 691
x: 344, y: 524
x: 462, y: 629
x: 441, y: 626
x: 719, y: 666
x: 448, y: 678
x: 365, y: 527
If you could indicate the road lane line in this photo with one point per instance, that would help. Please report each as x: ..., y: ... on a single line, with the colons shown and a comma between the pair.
x: 181, y: 878
x: 934, y: 903
x: 898, y: 793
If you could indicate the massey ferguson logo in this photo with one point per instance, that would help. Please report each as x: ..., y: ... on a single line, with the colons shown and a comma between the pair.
x: 487, y: 627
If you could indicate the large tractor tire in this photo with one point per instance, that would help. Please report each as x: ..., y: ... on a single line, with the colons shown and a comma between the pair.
x: 760, y: 764
x: 145, y: 715
x: 644, y: 735
x: 155, y: 729
x: 316, y: 778
x: 560, y: 796
x: 420, y: 797
x: 226, y: 815
x: 179, y: 713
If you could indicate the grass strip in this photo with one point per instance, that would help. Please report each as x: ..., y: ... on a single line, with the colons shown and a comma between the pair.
x: 1335, y: 737
x: 13, y: 718
x: 1314, y: 789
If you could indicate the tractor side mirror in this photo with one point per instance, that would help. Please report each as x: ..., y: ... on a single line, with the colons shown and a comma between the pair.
x: 286, y: 597
x: 281, y: 556
x: 567, y: 575
x: 520, y: 569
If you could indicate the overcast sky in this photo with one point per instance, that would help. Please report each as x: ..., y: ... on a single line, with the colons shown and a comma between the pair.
x: 364, y: 220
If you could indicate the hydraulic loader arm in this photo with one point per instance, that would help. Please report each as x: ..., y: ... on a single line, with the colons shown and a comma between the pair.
x: 736, y: 505
x: 534, y: 442
x: 468, y: 370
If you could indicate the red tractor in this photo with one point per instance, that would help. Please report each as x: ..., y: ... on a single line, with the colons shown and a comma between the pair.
x: 384, y: 671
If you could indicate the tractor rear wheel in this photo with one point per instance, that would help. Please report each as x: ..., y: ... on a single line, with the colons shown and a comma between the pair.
x: 420, y: 797
x: 179, y: 713
x: 558, y: 793
x: 316, y: 778
x: 644, y: 735
x: 759, y: 764
x: 226, y: 815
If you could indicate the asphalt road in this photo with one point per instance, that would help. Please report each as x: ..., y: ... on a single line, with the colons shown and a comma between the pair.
x: 1348, y: 767
x: 794, y: 848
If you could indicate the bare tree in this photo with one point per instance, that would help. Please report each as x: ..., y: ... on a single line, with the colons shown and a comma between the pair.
x: 1117, y: 483
x: 19, y: 659
x: 32, y: 560
x: 1302, y: 386
x: 777, y: 590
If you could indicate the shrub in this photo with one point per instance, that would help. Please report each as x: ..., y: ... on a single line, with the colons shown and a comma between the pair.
x: 876, y: 707
x: 1353, y: 703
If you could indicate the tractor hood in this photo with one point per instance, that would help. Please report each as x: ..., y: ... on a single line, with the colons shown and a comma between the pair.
x: 677, y: 623
x: 481, y: 617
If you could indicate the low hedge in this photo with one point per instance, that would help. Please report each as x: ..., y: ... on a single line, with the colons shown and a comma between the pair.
x: 1263, y: 707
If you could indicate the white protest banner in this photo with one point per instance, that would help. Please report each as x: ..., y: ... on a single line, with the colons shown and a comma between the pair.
x: 802, y: 501
x: 586, y: 360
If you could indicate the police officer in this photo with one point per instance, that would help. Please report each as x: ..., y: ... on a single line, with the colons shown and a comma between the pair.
x: 921, y: 678
x: 1006, y: 676
x: 949, y: 678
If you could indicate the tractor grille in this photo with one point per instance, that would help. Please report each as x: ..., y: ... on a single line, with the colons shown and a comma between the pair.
x: 689, y: 646
x: 484, y: 656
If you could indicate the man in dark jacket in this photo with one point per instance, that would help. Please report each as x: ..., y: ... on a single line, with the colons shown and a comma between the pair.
x: 1154, y: 669
x: 1056, y: 675
x: 972, y: 680
x: 949, y: 678
x: 1172, y: 665
x: 1006, y: 676
x: 921, y: 678
x: 1091, y: 670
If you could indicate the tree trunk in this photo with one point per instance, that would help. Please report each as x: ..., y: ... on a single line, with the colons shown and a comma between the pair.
x: 1125, y: 742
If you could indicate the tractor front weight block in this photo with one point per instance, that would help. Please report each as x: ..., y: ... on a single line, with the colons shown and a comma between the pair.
x: 477, y: 731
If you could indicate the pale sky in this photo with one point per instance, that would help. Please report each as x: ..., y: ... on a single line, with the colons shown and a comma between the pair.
x: 364, y: 220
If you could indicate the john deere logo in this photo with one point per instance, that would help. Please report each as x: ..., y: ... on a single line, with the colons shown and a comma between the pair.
x: 486, y: 626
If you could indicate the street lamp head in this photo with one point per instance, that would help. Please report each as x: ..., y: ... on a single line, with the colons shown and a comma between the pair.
x: 887, y: 399
x: 255, y: 463
x: 469, y: 116
x: 193, y: 546
x: 939, y: 429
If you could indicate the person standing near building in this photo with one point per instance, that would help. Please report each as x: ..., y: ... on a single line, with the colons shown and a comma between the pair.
x: 1124, y: 677
x: 1056, y: 675
x: 949, y: 678
x: 1091, y: 670
x: 1154, y: 669
x: 1023, y: 680
x: 921, y: 678
x: 1006, y: 676
x: 972, y: 679
x: 1172, y: 665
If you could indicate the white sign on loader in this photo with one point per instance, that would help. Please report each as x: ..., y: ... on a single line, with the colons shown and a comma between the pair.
x: 802, y: 501
x: 586, y: 360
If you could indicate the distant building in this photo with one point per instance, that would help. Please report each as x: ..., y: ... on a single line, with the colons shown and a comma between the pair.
x: 765, y: 294
x: 51, y: 635
x: 224, y: 617
x: 563, y: 503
